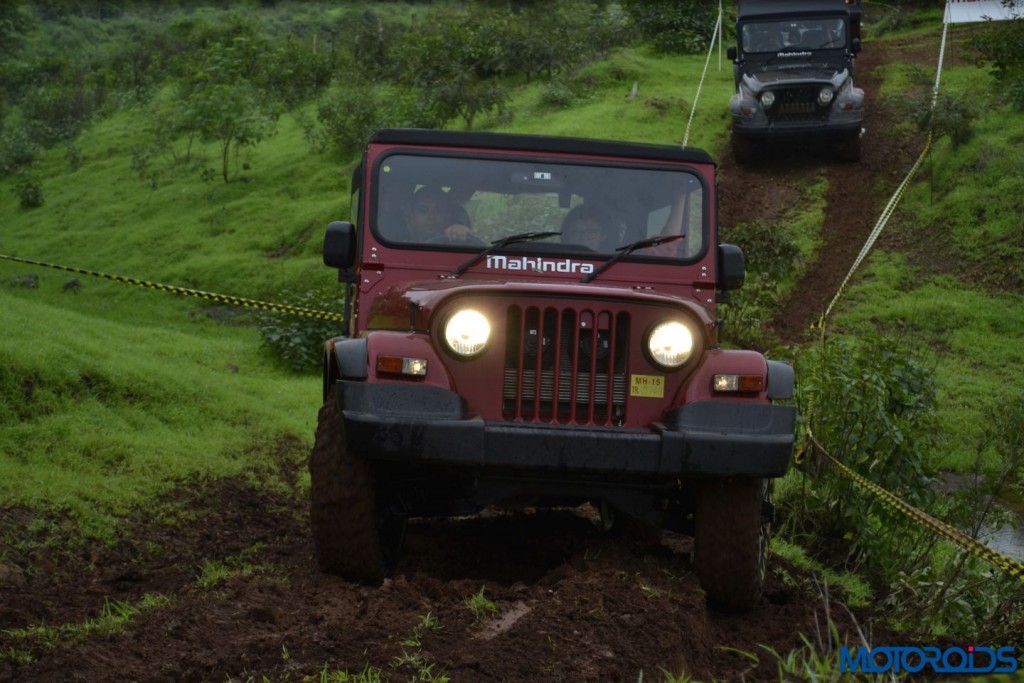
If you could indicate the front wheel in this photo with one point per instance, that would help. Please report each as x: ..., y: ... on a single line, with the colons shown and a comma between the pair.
x: 351, y: 538
x: 731, y: 530
x: 849, y: 149
x: 742, y: 149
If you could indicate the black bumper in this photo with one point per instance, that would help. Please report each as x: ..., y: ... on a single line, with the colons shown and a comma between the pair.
x: 836, y: 130
x: 429, y: 425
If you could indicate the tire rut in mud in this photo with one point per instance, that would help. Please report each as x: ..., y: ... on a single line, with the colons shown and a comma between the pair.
x: 857, y: 192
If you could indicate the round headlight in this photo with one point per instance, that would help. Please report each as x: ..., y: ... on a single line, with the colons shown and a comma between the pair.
x: 825, y: 97
x: 670, y: 344
x: 767, y: 99
x: 467, y: 332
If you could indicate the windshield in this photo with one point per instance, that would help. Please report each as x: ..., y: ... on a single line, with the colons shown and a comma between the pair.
x: 805, y: 34
x: 470, y: 203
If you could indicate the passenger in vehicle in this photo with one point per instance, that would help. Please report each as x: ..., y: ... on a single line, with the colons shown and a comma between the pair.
x: 814, y: 39
x: 675, y: 224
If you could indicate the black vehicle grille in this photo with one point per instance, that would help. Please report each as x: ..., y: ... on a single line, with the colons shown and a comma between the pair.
x: 797, y: 104
x: 566, y: 366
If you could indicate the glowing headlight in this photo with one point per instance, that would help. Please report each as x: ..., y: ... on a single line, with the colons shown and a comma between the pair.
x: 670, y: 344
x: 467, y: 332
x: 825, y: 97
x: 767, y: 99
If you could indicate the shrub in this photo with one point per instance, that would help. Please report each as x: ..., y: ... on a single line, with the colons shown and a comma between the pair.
x: 29, y: 190
x: 871, y: 403
x: 562, y: 93
x: 952, y: 117
x: 351, y: 114
x: 73, y: 154
x: 313, y: 133
x: 298, y: 341
x: 57, y: 112
x: 938, y: 594
x: 16, y: 150
x: 770, y: 258
x: 1002, y: 46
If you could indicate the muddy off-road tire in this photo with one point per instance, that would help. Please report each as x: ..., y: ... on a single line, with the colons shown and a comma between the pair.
x: 350, y: 538
x: 743, y: 150
x: 849, y: 149
x: 731, y: 542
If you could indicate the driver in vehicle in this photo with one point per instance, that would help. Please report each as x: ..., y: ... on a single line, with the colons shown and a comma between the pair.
x: 435, y: 218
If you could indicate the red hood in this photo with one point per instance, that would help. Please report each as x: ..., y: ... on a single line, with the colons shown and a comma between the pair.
x: 410, y: 305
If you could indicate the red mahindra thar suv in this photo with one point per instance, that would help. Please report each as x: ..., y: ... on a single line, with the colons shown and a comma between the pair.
x: 532, y: 323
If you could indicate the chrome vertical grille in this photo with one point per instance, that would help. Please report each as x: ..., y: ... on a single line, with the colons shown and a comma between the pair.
x: 565, y: 365
x: 797, y: 104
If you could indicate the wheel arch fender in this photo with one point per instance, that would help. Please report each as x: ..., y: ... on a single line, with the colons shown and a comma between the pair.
x: 344, y: 359
x: 781, y: 380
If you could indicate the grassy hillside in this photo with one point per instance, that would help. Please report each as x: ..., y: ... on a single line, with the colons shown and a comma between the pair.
x: 947, y: 276
x: 257, y: 235
x: 110, y: 394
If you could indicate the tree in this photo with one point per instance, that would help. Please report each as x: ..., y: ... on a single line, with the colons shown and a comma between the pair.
x: 684, y: 26
x: 452, y: 70
x: 13, y: 23
x: 1002, y: 46
x: 229, y: 115
x: 222, y: 103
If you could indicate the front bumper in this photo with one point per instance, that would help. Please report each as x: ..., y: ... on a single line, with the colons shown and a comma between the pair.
x: 759, y: 127
x: 424, y: 424
x: 838, y: 125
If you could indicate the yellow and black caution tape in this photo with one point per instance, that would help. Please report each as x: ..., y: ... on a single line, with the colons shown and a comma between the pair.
x: 184, y: 291
x: 972, y: 545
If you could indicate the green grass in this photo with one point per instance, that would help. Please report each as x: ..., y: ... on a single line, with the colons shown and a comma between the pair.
x: 965, y: 206
x: 115, y: 615
x: 666, y: 88
x: 257, y: 235
x: 854, y: 590
x: 101, y: 411
x: 481, y: 607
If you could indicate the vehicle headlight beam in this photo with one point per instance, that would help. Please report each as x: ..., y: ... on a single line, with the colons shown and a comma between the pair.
x: 467, y: 332
x: 670, y: 344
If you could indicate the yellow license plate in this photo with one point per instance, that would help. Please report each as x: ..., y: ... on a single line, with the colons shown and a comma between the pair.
x: 649, y: 386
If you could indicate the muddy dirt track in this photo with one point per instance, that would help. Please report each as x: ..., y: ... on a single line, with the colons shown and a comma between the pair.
x: 574, y: 603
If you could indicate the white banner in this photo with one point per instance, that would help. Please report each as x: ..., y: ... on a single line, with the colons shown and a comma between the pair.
x: 967, y: 11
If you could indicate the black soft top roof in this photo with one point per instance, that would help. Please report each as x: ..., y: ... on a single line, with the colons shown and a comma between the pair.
x: 540, y: 143
x: 764, y: 8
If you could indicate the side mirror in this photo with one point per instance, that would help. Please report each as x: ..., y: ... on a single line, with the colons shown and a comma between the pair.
x: 855, y: 45
x: 731, y: 270
x: 730, y: 52
x: 340, y: 245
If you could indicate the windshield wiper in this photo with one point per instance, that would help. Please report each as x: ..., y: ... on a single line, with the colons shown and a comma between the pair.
x: 498, y: 244
x: 629, y: 249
